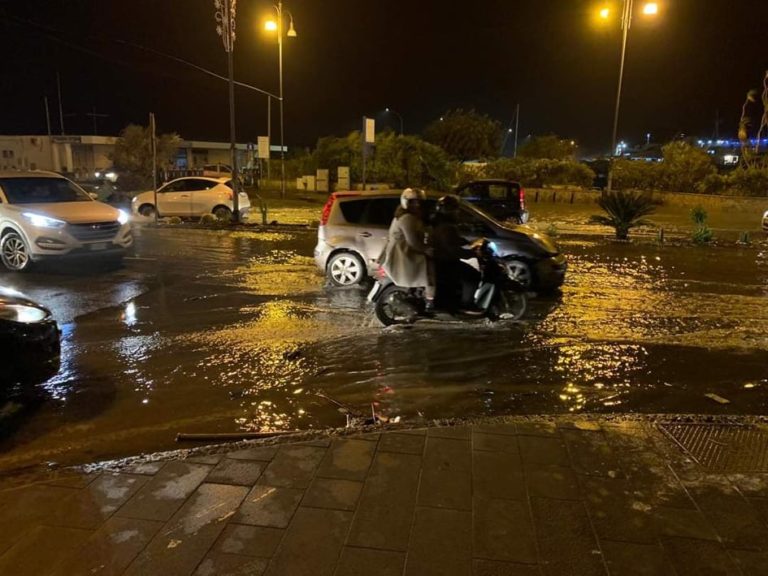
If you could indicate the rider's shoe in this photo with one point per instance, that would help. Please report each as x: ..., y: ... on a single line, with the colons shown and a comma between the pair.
x: 429, y: 309
x: 471, y: 311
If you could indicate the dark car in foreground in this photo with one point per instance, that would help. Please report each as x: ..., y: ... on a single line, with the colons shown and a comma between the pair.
x: 30, y: 341
x: 354, y: 226
x: 502, y: 199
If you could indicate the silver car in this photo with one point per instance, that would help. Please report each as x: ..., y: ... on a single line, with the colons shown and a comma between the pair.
x: 353, y: 231
x: 765, y: 221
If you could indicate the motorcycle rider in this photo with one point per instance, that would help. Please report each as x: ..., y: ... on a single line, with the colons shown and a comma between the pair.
x: 406, y: 255
x: 455, y: 280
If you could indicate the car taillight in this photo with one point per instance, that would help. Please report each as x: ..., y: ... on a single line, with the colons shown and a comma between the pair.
x: 522, y: 198
x: 327, y: 210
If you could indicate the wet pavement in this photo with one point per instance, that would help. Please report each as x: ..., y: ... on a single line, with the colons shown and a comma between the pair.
x: 214, y: 331
x: 585, y: 496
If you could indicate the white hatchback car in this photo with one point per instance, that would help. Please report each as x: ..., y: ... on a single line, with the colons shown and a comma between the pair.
x: 45, y: 216
x: 192, y: 197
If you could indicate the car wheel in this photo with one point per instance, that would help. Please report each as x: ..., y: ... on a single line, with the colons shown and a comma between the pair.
x: 222, y: 213
x: 518, y: 271
x: 14, y: 252
x: 346, y: 269
x: 147, y: 210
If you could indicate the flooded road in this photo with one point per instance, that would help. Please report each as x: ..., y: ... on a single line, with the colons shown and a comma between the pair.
x: 213, y: 331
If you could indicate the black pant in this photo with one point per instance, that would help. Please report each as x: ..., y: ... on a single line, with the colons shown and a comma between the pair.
x: 455, y: 283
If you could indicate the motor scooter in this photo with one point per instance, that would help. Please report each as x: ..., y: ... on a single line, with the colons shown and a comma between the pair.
x: 497, y: 296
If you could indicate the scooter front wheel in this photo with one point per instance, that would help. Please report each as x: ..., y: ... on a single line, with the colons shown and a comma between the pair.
x: 394, y: 306
x: 508, y: 305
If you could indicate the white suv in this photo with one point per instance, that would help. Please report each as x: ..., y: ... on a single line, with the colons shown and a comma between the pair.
x: 44, y: 215
x: 192, y: 196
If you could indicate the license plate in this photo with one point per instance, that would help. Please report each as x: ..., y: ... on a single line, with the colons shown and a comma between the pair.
x: 98, y: 246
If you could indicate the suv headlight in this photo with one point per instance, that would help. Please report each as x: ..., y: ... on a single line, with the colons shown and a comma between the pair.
x: 122, y: 217
x: 43, y: 221
x: 22, y: 313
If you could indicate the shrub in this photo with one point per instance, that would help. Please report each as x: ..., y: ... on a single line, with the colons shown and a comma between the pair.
x: 175, y: 220
x: 684, y: 166
x: 538, y: 173
x: 749, y: 182
x: 636, y: 175
x: 702, y: 234
x: 713, y: 184
x: 208, y: 219
x: 625, y: 211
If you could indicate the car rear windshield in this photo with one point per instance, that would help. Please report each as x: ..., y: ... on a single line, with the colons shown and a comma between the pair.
x: 42, y: 190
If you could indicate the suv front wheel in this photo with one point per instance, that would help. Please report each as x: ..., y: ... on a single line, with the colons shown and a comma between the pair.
x: 346, y: 269
x: 14, y: 252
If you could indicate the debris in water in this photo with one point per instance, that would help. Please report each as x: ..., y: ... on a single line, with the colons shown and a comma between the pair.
x: 717, y: 398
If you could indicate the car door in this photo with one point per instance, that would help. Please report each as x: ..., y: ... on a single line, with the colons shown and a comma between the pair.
x: 204, y: 196
x: 375, y: 226
x: 168, y: 198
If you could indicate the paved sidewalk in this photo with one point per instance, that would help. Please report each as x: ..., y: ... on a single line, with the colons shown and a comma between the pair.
x: 528, y: 497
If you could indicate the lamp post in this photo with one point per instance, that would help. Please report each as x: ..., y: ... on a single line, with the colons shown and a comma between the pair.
x: 226, y: 11
x: 398, y: 115
x: 627, y: 10
x: 278, y: 27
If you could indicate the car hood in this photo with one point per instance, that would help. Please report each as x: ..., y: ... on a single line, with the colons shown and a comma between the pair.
x: 520, y: 231
x: 73, y: 212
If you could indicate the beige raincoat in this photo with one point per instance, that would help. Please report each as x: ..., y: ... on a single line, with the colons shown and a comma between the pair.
x: 405, y: 256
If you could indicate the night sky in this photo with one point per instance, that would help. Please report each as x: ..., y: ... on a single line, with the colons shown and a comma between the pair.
x: 356, y: 57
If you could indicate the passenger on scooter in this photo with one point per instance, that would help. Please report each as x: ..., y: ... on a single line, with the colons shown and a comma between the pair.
x: 455, y: 280
x: 406, y: 256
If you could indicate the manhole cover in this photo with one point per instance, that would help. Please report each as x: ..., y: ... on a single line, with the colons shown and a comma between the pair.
x: 722, y: 447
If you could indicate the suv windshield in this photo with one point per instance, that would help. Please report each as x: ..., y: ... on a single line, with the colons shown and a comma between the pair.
x: 42, y: 190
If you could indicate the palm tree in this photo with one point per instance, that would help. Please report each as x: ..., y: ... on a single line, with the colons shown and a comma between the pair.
x: 625, y: 211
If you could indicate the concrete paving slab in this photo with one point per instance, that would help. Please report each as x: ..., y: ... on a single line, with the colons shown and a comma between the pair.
x: 347, y: 459
x: 502, y: 530
x: 552, y: 481
x: 498, y: 475
x: 357, y: 561
x: 42, y: 549
x: 333, y: 494
x: 110, y: 550
x: 385, y: 512
x: 441, y: 543
x: 166, y: 492
x: 239, y: 472
x: 185, y: 540
x: 683, y: 523
x: 619, y: 511
x: 293, y: 466
x: 633, y: 559
x: 492, y: 568
x: 404, y: 443
x: 494, y: 442
x: 591, y: 454
x: 450, y: 432
x: 539, y: 450
x: 261, y: 453
x: 269, y: 506
x: 231, y: 565
x: 446, y: 475
x: 691, y: 557
x: 91, y: 506
x: 312, y: 544
x: 245, y: 540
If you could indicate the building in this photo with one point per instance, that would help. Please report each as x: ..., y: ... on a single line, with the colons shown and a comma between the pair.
x: 81, y: 156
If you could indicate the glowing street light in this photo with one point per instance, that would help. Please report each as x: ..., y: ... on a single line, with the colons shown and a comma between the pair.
x: 649, y: 9
x: 277, y: 26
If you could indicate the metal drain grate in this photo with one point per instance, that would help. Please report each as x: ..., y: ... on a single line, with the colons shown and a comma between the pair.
x: 722, y: 447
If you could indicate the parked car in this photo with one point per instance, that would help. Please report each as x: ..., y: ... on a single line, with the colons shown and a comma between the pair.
x: 502, y: 199
x: 46, y: 216
x: 354, y: 225
x: 192, y: 197
x: 765, y: 221
x: 30, y: 340
x: 217, y: 171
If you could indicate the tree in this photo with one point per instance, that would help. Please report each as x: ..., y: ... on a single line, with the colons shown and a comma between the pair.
x: 133, y: 153
x: 409, y: 161
x: 685, y: 166
x: 465, y: 135
x: 550, y: 147
x: 625, y: 211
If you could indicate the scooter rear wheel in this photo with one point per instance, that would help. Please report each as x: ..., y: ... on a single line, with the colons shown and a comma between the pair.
x: 509, y: 305
x: 393, y: 306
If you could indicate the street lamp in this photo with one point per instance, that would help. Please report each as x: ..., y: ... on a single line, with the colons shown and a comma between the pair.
x: 649, y: 9
x: 226, y: 11
x: 277, y: 26
x: 398, y: 115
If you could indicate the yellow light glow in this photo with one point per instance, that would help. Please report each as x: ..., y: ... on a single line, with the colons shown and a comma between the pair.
x: 605, y: 13
x: 270, y: 26
x: 651, y: 9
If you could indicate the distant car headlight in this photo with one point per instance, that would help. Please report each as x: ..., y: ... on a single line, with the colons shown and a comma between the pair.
x: 123, y: 217
x: 43, y: 221
x: 22, y: 313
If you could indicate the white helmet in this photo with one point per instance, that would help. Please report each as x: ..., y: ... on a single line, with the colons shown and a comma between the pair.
x: 411, y: 194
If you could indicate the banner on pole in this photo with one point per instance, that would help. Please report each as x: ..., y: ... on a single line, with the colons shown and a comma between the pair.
x: 369, y: 130
x: 263, y: 147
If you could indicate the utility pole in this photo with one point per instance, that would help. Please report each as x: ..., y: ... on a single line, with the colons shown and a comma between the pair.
x: 153, y: 145
x: 61, y: 108
x: 47, y: 115
x: 517, y: 128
